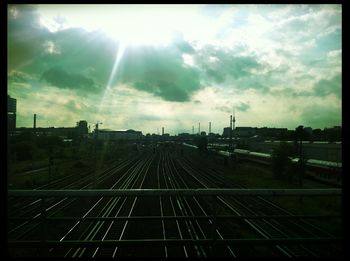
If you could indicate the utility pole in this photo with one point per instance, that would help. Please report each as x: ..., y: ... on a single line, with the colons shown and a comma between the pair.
x: 209, y: 140
x: 234, y: 123
x: 50, y: 162
x: 299, y: 134
x: 95, y: 154
x: 230, y: 146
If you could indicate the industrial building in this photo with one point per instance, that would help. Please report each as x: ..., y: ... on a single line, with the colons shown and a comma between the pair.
x: 111, y: 135
x: 251, y: 131
x: 80, y: 129
x: 226, y: 132
x: 244, y: 131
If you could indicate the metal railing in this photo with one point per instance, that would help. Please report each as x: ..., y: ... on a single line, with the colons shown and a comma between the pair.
x: 212, y: 193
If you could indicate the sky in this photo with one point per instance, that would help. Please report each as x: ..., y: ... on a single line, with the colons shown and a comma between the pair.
x: 145, y: 67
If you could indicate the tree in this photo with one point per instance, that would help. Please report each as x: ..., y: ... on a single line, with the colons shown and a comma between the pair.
x: 24, y: 150
x: 201, y: 143
x: 281, y: 159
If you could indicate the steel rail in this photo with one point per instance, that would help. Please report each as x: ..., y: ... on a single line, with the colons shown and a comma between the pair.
x: 161, y: 208
x: 146, y: 167
x: 185, y: 208
x: 161, y: 242
x: 66, y: 204
x: 173, y: 192
x: 259, y: 197
x: 213, y: 219
x: 109, y: 206
x: 182, y: 202
x: 98, y: 202
x: 162, y: 217
x: 74, y: 184
x: 167, y: 182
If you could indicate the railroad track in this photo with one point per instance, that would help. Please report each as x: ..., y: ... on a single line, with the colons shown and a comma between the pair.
x: 32, y: 208
x: 166, y: 170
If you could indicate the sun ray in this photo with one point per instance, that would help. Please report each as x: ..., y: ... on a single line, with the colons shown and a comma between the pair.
x: 120, y: 52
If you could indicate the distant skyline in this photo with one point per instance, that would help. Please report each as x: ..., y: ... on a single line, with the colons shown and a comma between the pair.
x: 145, y: 67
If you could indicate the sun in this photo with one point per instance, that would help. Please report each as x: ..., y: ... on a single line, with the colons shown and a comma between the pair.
x: 131, y: 24
x: 140, y: 27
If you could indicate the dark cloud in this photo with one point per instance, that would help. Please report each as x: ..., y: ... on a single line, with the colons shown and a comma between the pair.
x: 88, y: 54
x: 169, y: 91
x: 25, y: 36
x: 159, y: 71
x: 181, y: 44
x: 217, y: 75
x: 148, y: 117
x: 240, y: 66
x: 19, y: 77
x: 228, y: 66
x: 224, y: 108
x: 321, y: 116
x: 243, y: 106
x: 326, y: 87
x: 60, y: 78
x: 83, y: 61
x: 71, y: 106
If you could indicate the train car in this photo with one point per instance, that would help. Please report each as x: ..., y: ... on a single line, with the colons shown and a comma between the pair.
x: 326, y: 171
x: 259, y: 157
x: 189, y: 145
x: 223, y: 153
x: 262, y: 158
x: 241, y: 154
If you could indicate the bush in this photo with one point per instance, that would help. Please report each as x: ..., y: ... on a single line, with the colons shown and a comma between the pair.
x: 24, y: 150
x: 280, y: 159
x: 201, y: 143
x: 79, y: 164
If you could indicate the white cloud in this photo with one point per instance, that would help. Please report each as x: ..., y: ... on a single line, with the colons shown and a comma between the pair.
x: 188, y: 59
x: 51, y: 48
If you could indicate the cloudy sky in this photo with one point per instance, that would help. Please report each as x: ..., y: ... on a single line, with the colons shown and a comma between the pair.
x: 147, y: 67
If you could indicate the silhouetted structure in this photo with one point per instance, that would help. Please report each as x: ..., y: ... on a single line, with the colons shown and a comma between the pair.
x: 82, y: 127
x: 111, y: 135
x: 80, y: 130
x: 226, y: 132
x: 34, y: 122
x: 11, y: 114
x: 245, y: 131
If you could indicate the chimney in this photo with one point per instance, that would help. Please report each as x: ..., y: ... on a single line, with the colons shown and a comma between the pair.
x: 162, y: 131
x: 231, y: 122
x: 209, y: 127
x: 34, y: 125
